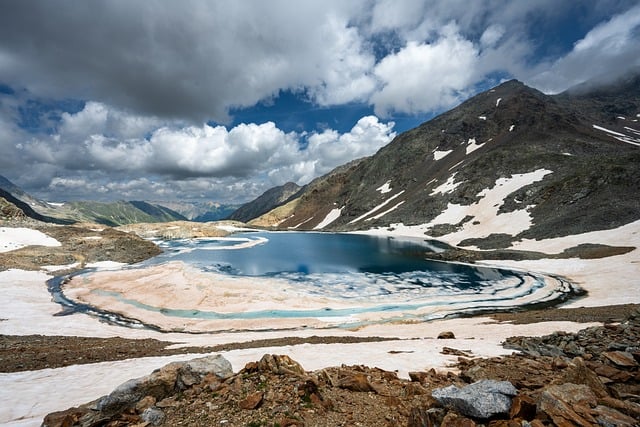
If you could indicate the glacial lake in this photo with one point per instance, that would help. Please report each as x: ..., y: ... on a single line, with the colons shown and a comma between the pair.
x: 352, y: 266
x: 344, y: 279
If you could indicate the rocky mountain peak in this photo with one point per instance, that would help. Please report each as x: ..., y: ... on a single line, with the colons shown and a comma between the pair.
x: 575, y: 176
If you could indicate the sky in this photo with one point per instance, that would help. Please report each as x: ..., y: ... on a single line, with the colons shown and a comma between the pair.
x: 217, y: 100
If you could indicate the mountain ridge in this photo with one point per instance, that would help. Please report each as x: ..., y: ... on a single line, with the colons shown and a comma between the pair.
x: 499, y: 134
x: 107, y: 213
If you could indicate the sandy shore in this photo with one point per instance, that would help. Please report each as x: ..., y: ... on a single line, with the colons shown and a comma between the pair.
x: 28, y: 309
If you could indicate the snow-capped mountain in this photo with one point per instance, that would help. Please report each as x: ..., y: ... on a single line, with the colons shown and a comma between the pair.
x: 510, y: 163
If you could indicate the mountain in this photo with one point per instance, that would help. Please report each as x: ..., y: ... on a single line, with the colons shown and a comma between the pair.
x: 507, y: 164
x: 17, y: 204
x: 120, y: 212
x: 201, y: 211
x: 265, y: 202
x: 110, y: 213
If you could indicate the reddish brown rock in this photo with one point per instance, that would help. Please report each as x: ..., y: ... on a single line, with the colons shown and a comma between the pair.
x: 568, y: 404
x: 252, y: 401
x: 621, y: 358
x: 355, y: 382
x: 523, y: 406
x: 453, y: 420
x: 579, y: 373
x: 66, y: 418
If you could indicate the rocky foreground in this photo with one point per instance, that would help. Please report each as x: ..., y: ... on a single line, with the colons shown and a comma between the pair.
x: 583, y: 379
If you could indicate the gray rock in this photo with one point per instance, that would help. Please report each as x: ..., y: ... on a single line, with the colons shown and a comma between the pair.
x: 193, y: 371
x: 163, y: 382
x: 153, y: 415
x: 482, y: 399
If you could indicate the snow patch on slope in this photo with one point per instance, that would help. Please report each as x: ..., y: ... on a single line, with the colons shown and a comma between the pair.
x: 380, y: 215
x: 380, y: 206
x: 447, y: 187
x: 16, y: 238
x: 384, y: 188
x: 331, y: 216
x: 498, y: 101
x: 437, y: 155
x: 486, y: 219
x: 473, y: 145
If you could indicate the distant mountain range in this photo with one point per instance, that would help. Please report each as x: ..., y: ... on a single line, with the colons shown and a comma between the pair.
x: 16, y: 203
x: 562, y: 165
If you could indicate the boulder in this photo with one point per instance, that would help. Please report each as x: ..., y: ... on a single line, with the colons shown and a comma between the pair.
x: 162, y: 383
x: 279, y: 365
x: 355, y: 381
x: 482, y: 399
x: 194, y: 371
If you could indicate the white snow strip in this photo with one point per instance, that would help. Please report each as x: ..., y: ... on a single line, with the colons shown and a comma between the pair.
x: 456, y: 165
x: 609, y: 131
x: 303, y: 222
x: 437, y: 155
x: 448, y: 186
x: 621, y: 136
x: 636, y: 131
x: 567, y: 154
x: 511, y: 128
x: 380, y: 215
x: 621, y: 118
x: 55, y: 204
x: 473, y: 145
x: 234, y: 228
x: 482, y: 118
x: 16, y: 238
x: 51, y: 268
x: 380, y: 206
x: 331, y: 216
x: 384, y: 188
x: 106, y: 265
x: 498, y: 101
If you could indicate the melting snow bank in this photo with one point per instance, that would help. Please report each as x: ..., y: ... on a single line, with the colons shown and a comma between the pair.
x: 16, y: 238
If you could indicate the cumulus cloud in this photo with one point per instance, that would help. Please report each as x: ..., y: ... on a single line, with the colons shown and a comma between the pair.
x: 329, y: 149
x: 104, y: 151
x: 608, y: 51
x: 423, y: 76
